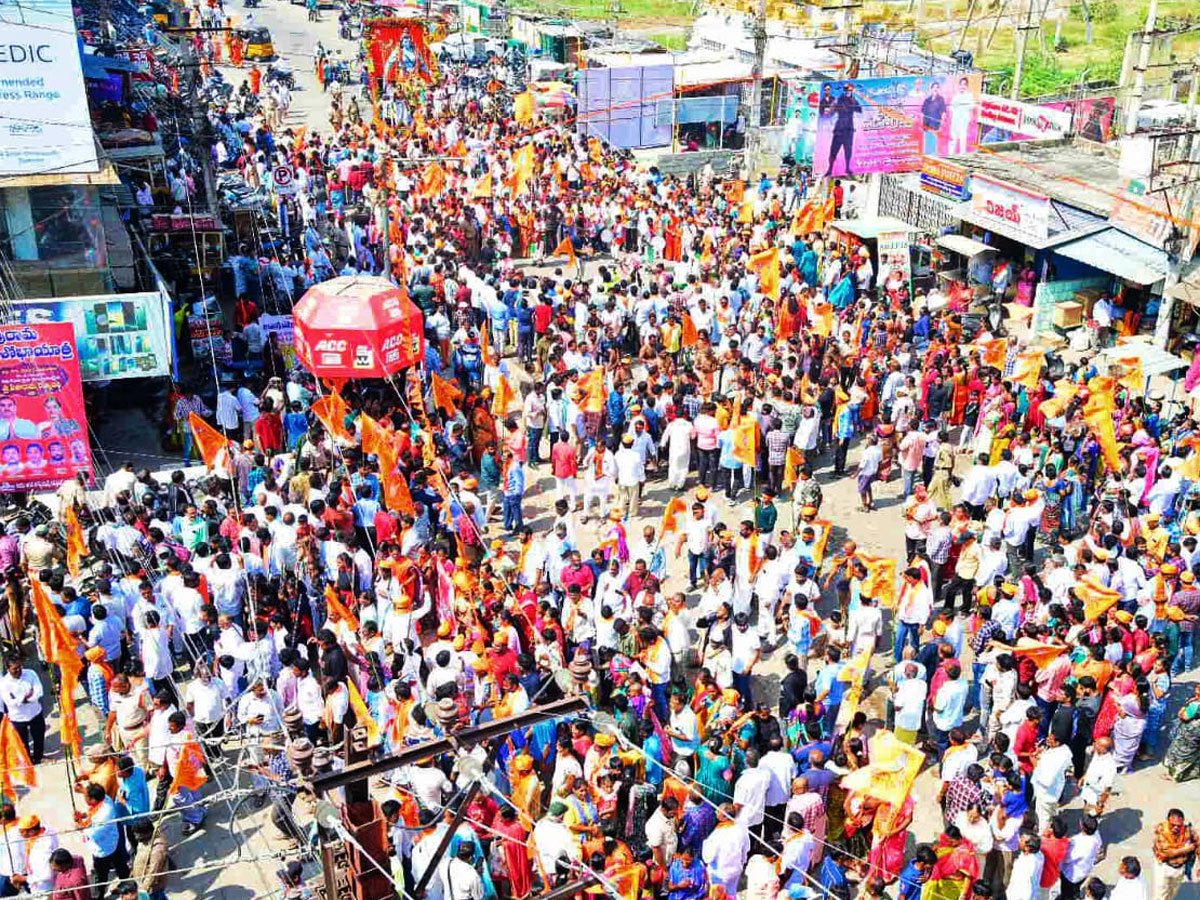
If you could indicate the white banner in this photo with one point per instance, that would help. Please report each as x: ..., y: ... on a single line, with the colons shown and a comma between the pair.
x: 1024, y: 120
x: 44, y: 121
x: 1010, y: 209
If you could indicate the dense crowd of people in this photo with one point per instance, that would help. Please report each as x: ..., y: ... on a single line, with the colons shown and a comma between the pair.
x: 384, y: 554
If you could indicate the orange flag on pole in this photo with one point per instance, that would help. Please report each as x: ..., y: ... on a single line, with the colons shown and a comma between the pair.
x: 334, y: 604
x: 189, y: 771
x: 483, y: 188
x: 213, y: 446
x: 1064, y: 392
x: 690, y: 337
x: 1097, y: 599
x: 61, y: 647
x: 892, y: 772
x: 1040, y: 652
x: 822, y: 318
x: 523, y: 107
x: 446, y: 395
x: 566, y: 248
x: 433, y: 179
x: 807, y: 218
x: 76, y: 545
x: 1100, y: 421
x: 1027, y: 369
x: 362, y: 714
x: 746, y: 211
x: 592, y: 386
x: 375, y: 439
x: 331, y: 411
x: 880, y: 583
x: 745, y: 442
x: 766, y: 264
x: 670, y: 519
x: 1133, y: 376
x: 792, y: 464
x: 505, y: 397
x: 15, y: 764
x: 396, y: 493
x: 522, y: 169
x: 994, y: 352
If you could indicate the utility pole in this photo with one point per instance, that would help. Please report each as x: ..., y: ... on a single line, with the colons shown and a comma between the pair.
x: 1022, y: 45
x: 754, y: 113
x: 614, y: 16
x: 1134, y: 102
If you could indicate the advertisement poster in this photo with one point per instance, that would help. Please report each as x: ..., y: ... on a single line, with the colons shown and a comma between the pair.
x: 1092, y: 119
x: 801, y: 128
x: 1023, y: 120
x: 888, y: 124
x: 894, y: 254
x: 118, y: 335
x: 944, y: 178
x: 44, y: 117
x: 43, y: 426
x: 398, y: 50
x: 284, y: 328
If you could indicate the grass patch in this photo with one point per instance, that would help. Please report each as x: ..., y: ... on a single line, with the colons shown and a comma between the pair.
x: 666, y: 11
x: 672, y: 40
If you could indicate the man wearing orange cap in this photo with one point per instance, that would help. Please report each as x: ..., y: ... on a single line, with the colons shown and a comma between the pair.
x: 37, y: 844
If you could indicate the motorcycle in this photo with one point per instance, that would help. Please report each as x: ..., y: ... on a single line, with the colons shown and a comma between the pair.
x: 280, y: 74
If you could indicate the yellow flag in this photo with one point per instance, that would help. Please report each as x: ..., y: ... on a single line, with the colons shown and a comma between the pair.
x: 1133, y: 378
x: 483, y: 188
x: 880, y: 583
x: 746, y: 211
x: 1027, y: 369
x: 523, y: 108
x: 1064, y: 392
x: 892, y: 772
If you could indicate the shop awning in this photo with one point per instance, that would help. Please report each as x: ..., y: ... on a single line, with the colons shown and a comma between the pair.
x: 961, y: 244
x: 1118, y: 254
x: 1155, y: 360
x: 868, y: 229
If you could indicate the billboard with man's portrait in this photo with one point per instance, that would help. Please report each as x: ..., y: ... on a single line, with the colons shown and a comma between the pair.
x: 43, y: 425
x: 888, y: 124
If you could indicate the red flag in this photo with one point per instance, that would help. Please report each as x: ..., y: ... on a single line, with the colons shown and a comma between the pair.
x: 213, y: 446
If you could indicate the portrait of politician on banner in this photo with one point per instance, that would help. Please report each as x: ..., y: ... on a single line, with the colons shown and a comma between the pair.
x: 43, y: 425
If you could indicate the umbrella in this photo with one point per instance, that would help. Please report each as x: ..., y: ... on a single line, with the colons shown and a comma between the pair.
x: 553, y: 95
x: 358, y: 327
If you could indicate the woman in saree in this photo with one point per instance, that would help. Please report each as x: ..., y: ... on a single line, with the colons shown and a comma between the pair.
x: 1127, y: 731
x: 889, y: 832
x: 714, y: 772
x: 1123, y: 684
x: 860, y: 812
x: 1182, y: 761
x: 1054, y: 488
x: 483, y: 427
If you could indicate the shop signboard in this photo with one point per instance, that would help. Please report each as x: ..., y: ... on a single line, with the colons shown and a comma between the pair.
x: 117, y: 335
x: 888, y: 124
x: 1023, y: 120
x: 43, y: 424
x: 44, y: 121
x: 944, y: 178
x: 1010, y: 210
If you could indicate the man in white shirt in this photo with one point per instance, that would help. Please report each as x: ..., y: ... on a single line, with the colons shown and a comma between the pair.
x: 1083, y: 850
x: 631, y: 476
x: 750, y: 792
x: 977, y: 485
x: 1026, y: 869
x: 461, y: 881
x: 913, y: 609
x: 553, y: 841
x: 21, y: 697
x: 908, y: 699
x: 864, y: 625
x: 1130, y: 884
x: 782, y: 767
x: 1049, y: 777
x: 1099, y: 778
x: 661, y: 836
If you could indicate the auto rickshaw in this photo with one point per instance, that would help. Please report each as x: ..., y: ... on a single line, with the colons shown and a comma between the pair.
x: 256, y: 43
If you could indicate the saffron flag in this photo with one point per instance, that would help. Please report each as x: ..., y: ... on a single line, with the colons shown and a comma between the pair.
x: 485, y: 343
x: 375, y: 439
x: 433, y: 180
x: 670, y: 519
x: 331, y: 411
x: 821, y: 314
x: 591, y: 386
x: 68, y: 728
x: 828, y: 211
x: 76, y: 545
x: 735, y: 192
x: 807, y: 218
x: 522, y: 169
x: 1097, y: 599
x: 334, y: 604
x: 791, y: 468
x: 483, y: 188
x: 691, y: 337
x: 213, y: 446
x: 1099, y: 421
x: 1064, y: 392
x: 880, y: 583
x: 189, y: 770
x: 61, y: 647
x: 745, y: 442
x: 566, y: 248
x: 17, y: 766
x: 1133, y: 377
x: 994, y: 352
x: 824, y: 530
x: 746, y: 211
x: 523, y: 108
x: 1027, y: 370
x: 363, y: 715
x: 446, y: 396
x: 893, y: 770
x: 1040, y: 652
x: 395, y: 490
x: 766, y: 264
x: 1101, y: 395
x: 505, y: 397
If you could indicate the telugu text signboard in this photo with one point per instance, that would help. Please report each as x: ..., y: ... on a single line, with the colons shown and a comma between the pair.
x: 944, y: 178
x: 889, y: 124
x: 43, y: 425
x: 1010, y: 210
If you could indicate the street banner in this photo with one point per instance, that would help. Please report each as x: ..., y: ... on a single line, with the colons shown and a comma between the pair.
x: 118, y: 335
x: 1023, y: 120
x: 43, y: 425
x: 889, y: 124
x: 1091, y: 118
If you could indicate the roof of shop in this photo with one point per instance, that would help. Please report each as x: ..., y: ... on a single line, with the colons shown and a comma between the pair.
x: 1119, y: 254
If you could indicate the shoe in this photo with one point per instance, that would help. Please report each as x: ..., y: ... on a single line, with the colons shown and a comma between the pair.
x: 190, y: 829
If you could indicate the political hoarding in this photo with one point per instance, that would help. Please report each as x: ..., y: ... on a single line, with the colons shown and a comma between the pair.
x: 801, y: 127
x: 889, y: 124
x: 43, y: 425
x: 1092, y: 118
x: 44, y: 119
x: 1023, y: 120
x: 118, y: 335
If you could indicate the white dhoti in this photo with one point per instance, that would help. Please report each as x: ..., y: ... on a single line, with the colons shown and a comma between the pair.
x: 743, y: 592
x: 678, y: 464
x: 598, y: 489
x: 566, y: 489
